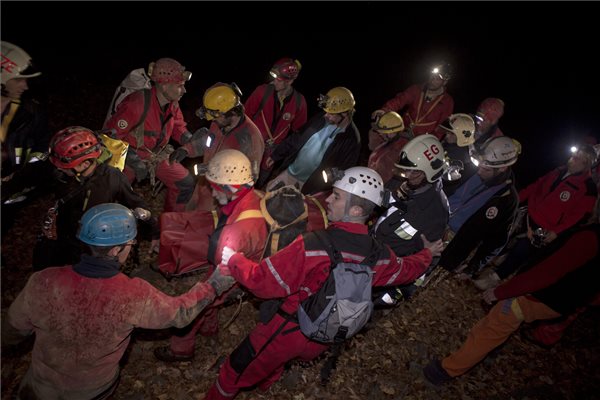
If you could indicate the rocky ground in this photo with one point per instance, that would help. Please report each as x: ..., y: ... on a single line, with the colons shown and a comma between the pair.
x: 384, y: 362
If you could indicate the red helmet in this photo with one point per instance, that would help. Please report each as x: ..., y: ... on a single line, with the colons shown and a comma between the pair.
x: 167, y: 70
x: 491, y: 109
x: 286, y: 69
x: 72, y: 146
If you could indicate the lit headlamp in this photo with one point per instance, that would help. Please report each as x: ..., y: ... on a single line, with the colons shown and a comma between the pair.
x: 331, y: 175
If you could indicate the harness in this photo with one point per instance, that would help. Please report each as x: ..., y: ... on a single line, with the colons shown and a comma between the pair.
x: 267, y: 94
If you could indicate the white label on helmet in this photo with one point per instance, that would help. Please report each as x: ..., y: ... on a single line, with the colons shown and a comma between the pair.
x: 491, y: 212
x: 122, y: 124
x: 405, y: 231
x: 565, y: 195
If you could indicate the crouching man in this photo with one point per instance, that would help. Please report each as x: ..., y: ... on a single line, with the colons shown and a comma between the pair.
x: 83, y: 315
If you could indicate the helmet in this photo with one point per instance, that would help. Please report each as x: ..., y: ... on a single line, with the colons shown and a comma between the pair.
x: 463, y: 126
x: 423, y: 153
x: 167, y: 70
x: 107, y: 224
x: 491, y: 109
x: 362, y: 182
x: 337, y: 100
x: 498, y: 152
x: 16, y: 63
x: 286, y: 69
x: 442, y: 70
x: 219, y: 99
x: 72, y: 146
x: 390, y: 122
x: 229, y: 167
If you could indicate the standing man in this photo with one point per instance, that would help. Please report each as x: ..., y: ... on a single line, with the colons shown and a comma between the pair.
x: 300, y: 269
x: 424, y: 106
x: 277, y: 109
x: 147, y: 119
x: 83, y: 315
x: 329, y: 139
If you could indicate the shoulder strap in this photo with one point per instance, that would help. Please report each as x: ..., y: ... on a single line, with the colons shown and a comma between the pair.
x: 136, y: 131
x: 268, y: 92
x: 323, y: 237
x: 247, y: 214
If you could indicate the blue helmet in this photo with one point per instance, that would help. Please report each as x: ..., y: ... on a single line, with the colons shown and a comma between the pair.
x: 107, y: 224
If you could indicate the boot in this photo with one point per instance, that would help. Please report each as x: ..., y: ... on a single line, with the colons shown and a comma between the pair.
x: 435, y: 373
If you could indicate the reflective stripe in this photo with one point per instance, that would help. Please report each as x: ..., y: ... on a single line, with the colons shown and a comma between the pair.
x: 383, y: 262
x: 516, y: 309
x: 278, y: 277
x: 405, y: 231
x: 393, y: 278
x: 307, y: 290
x: 354, y: 257
x: 223, y: 392
x: 316, y: 253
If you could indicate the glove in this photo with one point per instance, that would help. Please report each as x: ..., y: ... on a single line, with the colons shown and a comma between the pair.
x: 200, y: 133
x: 178, y: 155
x: 186, y: 137
x: 220, y: 282
x: 226, y: 255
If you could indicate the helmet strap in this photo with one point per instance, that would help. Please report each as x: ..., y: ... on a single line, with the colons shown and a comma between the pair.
x: 347, y: 217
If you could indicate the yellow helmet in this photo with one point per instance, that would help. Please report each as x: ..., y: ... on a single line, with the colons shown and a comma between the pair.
x: 337, y: 100
x: 219, y: 99
x: 390, y: 122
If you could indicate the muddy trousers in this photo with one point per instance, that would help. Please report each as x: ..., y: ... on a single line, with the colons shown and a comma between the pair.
x: 493, y: 330
x: 261, y: 357
x: 177, y: 179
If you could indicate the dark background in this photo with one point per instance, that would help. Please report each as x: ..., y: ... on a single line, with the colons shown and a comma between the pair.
x: 539, y: 57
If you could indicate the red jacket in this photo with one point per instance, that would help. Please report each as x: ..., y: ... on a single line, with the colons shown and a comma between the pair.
x: 244, y: 137
x: 159, y: 126
x: 295, y: 272
x: 563, y: 206
x: 274, y: 121
x: 83, y: 325
x: 421, y: 117
x: 384, y: 154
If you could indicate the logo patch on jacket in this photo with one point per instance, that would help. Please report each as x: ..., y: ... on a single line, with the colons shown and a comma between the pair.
x: 565, y: 195
x: 122, y: 124
x: 491, y: 212
x: 405, y: 231
x: 286, y: 116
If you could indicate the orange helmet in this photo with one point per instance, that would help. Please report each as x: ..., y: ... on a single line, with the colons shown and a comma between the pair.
x: 491, y: 109
x: 72, y: 146
x: 286, y: 69
x: 168, y: 70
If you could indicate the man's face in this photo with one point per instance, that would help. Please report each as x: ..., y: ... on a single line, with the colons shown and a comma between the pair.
x: 435, y: 82
x: 174, y: 91
x: 336, y: 204
x: 413, y: 177
x: 16, y: 87
x: 223, y: 121
x: 282, y: 84
x: 578, y: 162
x: 219, y: 194
x: 334, y: 119
x: 487, y: 173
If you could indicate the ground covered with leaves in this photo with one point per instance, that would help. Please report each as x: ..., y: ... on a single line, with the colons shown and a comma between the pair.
x: 383, y: 362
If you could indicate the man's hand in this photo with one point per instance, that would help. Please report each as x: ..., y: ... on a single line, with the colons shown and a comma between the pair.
x: 220, y: 282
x: 178, y: 155
x: 489, y: 297
x: 377, y: 113
x: 226, y: 255
x: 436, y: 247
x: 550, y: 236
x: 141, y: 213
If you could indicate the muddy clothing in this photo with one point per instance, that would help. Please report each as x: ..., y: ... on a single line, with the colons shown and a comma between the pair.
x: 569, y: 278
x: 149, y: 152
x: 244, y: 137
x: 421, y: 211
x: 384, y: 154
x: 342, y: 153
x: 422, y: 115
x: 243, y: 228
x: 556, y: 202
x: 83, y: 317
x: 481, y: 214
x: 293, y: 274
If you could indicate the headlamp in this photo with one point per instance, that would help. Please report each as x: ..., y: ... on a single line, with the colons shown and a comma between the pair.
x: 331, y: 175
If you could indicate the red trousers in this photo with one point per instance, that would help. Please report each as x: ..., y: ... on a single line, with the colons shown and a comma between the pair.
x: 491, y: 331
x: 270, y: 347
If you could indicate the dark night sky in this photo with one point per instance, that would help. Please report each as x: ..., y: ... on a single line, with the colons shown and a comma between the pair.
x: 537, y: 56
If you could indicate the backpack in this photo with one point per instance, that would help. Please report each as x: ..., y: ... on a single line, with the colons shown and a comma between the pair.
x: 134, y: 81
x: 343, y: 305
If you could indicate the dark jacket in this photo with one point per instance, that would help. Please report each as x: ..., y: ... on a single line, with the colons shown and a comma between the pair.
x: 343, y: 152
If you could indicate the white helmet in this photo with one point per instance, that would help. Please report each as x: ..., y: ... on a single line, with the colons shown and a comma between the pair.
x: 497, y: 152
x: 362, y: 182
x: 423, y: 153
x: 16, y: 63
x: 230, y: 167
x: 463, y: 126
